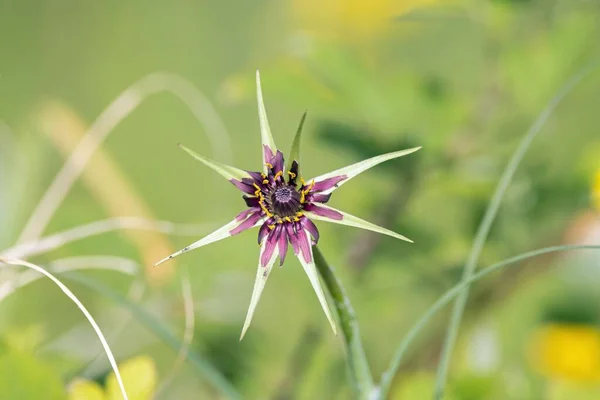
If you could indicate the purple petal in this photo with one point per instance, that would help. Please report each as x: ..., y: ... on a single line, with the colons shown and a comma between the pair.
x: 269, y: 246
x: 304, y: 246
x: 257, y: 176
x: 244, y: 214
x: 323, y: 212
x: 277, y: 162
x: 267, y: 154
x: 318, y: 197
x: 244, y: 186
x: 292, y: 237
x: 251, y: 201
x: 328, y: 183
x: 311, y: 228
x: 283, y: 246
x: 247, y: 224
x: 264, y: 229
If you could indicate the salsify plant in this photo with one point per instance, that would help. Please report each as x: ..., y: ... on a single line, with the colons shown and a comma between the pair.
x: 284, y: 205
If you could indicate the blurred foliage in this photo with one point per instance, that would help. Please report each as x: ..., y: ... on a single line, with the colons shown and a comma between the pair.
x: 464, y: 79
x: 596, y: 190
x: 26, y: 377
x: 568, y: 351
x: 139, y: 377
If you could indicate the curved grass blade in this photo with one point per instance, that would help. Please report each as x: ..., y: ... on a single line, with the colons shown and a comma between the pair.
x: 486, y: 223
x: 106, y: 263
x: 212, y: 374
x: 111, y: 116
x: 84, y: 310
x: 451, y: 294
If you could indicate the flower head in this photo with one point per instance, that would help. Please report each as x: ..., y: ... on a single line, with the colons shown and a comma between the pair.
x: 283, y: 205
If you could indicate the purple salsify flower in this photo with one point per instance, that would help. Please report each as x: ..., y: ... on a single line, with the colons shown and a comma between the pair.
x: 283, y: 205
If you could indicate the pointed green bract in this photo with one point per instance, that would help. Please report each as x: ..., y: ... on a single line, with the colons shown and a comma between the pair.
x: 295, y: 151
x: 313, y: 276
x: 352, y: 170
x: 221, y: 233
x: 351, y: 220
x: 225, y: 171
x: 262, y: 274
x: 265, y: 130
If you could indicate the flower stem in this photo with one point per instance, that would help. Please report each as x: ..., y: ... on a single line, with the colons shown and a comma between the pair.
x: 360, y: 372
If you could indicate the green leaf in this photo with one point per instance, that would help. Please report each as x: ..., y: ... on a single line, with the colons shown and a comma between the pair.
x: 25, y: 377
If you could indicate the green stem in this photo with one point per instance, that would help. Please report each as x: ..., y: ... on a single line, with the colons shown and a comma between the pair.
x: 486, y: 224
x: 360, y: 372
x: 447, y: 297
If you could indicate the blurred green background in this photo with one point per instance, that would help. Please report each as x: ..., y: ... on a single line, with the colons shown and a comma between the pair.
x: 464, y: 79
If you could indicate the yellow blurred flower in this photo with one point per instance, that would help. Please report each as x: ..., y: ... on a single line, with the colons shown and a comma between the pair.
x: 567, y: 351
x: 596, y: 190
x: 139, y: 377
x: 351, y: 19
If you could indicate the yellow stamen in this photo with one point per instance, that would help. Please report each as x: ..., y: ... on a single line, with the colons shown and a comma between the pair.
x: 296, y: 219
x: 277, y: 175
x: 263, y: 175
x: 302, y: 182
x: 256, y: 186
x: 312, y: 184
x: 265, y: 181
x: 271, y: 227
x: 304, y: 192
x: 293, y: 175
x: 288, y: 219
x: 262, y: 206
x: 269, y: 165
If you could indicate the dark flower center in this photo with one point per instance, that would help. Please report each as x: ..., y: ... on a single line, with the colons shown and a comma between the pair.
x: 285, y: 201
